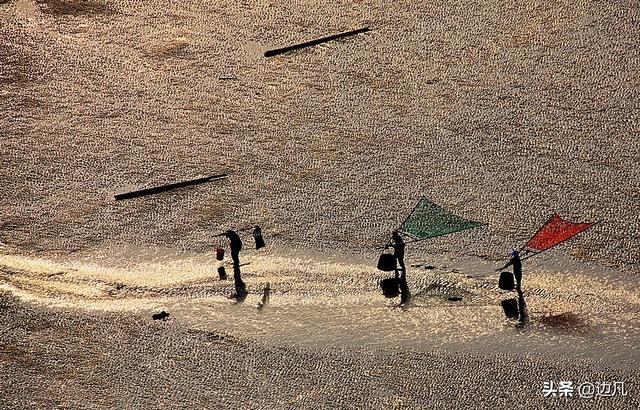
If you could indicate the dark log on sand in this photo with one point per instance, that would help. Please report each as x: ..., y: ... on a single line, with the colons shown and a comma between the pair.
x: 163, y: 188
x: 277, y: 51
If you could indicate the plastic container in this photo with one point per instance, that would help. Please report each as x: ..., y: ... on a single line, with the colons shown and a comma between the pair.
x: 219, y: 254
x: 506, y: 281
x: 387, y: 261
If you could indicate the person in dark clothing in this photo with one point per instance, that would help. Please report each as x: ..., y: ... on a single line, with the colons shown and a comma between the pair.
x: 236, y: 245
x: 257, y: 236
x: 398, y: 246
x: 517, y: 267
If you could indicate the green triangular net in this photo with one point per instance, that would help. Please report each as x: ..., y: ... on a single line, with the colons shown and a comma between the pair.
x: 428, y: 220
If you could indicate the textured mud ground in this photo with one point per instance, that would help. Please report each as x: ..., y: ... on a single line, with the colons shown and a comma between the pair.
x: 327, y: 338
x: 84, y: 361
x: 504, y: 112
x: 577, y: 313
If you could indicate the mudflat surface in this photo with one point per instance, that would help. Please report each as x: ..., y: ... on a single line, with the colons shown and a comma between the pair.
x: 501, y: 112
x: 65, y: 359
x: 326, y: 336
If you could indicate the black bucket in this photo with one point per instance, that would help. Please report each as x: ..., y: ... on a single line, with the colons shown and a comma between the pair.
x: 390, y: 287
x: 510, y: 307
x: 222, y: 273
x: 387, y: 262
x: 506, y: 281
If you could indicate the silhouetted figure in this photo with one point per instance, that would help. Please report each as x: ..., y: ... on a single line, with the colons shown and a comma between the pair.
x: 236, y: 245
x: 257, y: 236
x: 517, y: 267
x: 514, y: 308
x: 241, y: 289
x: 401, y: 274
x: 398, y: 246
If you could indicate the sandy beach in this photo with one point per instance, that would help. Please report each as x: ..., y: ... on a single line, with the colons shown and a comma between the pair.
x: 501, y: 112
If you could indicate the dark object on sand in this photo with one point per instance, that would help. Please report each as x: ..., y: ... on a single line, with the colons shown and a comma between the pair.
x: 390, y: 287
x: 405, y: 294
x: 510, y: 307
x: 160, y: 316
x: 398, y: 249
x: 236, y: 245
x: 219, y: 254
x: 257, y: 236
x: 265, y: 296
x: 277, y: 51
x: 454, y: 298
x: 241, y: 289
x: 506, y: 281
x: 222, y: 273
x: 387, y: 262
x: 167, y: 187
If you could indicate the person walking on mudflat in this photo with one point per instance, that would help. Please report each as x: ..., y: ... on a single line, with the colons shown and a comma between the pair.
x: 236, y: 245
x: 517, y: 267
x: 398, y: 246
x: 257, y: 236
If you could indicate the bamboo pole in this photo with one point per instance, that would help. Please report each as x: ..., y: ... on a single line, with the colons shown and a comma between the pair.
x: 277, y: 51
x: 168, y: 187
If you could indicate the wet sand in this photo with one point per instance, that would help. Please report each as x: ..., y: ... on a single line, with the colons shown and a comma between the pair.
x: 325, y: 328
x: 503, y: 113
x: 178, y: 367
x: 79, y: 358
